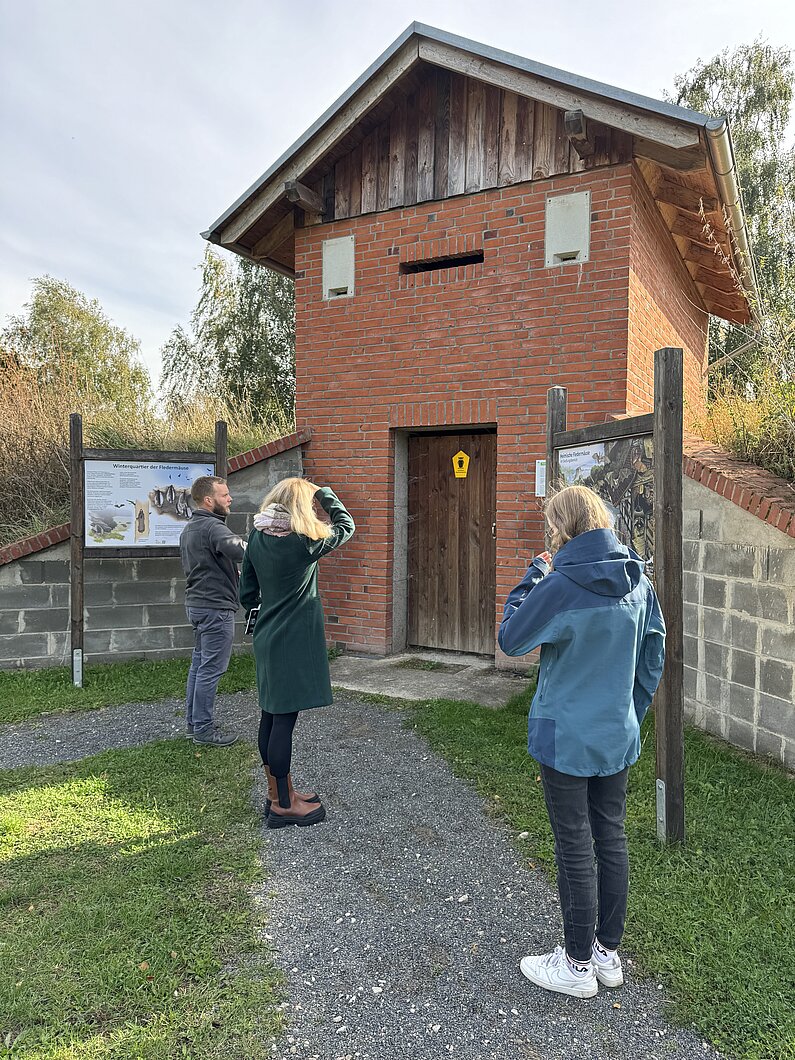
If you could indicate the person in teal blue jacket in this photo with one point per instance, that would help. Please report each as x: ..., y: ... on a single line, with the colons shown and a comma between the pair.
x: 598, y: 623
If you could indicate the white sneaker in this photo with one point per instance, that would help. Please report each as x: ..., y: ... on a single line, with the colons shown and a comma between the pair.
x: 608, y: 969
x: 552, y: 972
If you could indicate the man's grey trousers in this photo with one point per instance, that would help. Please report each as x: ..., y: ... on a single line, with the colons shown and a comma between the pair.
x: 214, y: 631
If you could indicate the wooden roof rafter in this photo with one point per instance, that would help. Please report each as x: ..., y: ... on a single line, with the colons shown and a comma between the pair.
x: 695, y: 218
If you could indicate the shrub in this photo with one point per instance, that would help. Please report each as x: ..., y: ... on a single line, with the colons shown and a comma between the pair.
x: 34, y: 438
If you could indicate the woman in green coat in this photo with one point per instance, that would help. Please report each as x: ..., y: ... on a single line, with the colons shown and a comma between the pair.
x: 280, y: 574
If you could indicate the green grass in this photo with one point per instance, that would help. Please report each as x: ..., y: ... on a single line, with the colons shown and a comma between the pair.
x: 127, y: 928
x: 166, y: 854
x: 28, y: 693
x: 715, y: 919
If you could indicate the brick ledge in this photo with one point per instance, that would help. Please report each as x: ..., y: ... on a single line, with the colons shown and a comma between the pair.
x: 57, y: 534
x: 263, y: 452
x: 17, y: 549
x: 751, y: 488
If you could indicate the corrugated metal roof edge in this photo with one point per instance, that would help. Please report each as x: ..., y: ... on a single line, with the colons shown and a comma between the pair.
x: 419, y: 29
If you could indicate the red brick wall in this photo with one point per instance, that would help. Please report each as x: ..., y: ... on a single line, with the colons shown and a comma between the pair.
x: 665, y: 308
x: 478, y: 344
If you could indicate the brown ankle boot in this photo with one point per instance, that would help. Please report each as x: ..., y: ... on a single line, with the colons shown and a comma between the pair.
x: 298, y: 812
x: 273, y: 794
x: 273, y: 791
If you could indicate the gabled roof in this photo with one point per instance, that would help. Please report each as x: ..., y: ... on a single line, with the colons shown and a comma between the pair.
x: 671, y: 142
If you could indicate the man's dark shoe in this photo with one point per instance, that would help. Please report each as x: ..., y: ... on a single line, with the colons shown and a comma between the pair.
x: 210, y: 737
x: 189, y: 732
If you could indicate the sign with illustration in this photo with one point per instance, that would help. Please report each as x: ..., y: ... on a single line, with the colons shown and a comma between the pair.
x: 460, y: 464
x: 138, y: 504
x: 622, y: 473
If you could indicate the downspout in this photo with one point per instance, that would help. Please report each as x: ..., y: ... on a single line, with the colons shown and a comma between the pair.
x: 721, y: 154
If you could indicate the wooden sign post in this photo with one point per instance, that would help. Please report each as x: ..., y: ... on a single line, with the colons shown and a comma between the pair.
x: 216, y: 461
x: 557, y: 398
x: 669, y: 701
x: 664, y: 425
x: 76, y: 536
x: 221, y: 463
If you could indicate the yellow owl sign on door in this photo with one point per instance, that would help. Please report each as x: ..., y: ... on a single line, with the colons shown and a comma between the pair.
x: 460, y: 464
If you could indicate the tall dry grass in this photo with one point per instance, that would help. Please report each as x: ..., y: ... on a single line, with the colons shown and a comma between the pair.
x: 34, y: 439
x: 751, y: 404
x: 760, y: 429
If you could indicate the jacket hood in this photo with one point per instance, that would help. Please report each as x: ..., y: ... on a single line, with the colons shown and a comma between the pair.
x: 274, y: 521
x: 597, y: 561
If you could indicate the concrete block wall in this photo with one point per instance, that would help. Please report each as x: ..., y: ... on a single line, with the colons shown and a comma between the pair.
x: 134, y: 607
x: 739, y: 623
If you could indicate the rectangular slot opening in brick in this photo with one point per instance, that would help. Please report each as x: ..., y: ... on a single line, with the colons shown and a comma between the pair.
x: 474, y: 257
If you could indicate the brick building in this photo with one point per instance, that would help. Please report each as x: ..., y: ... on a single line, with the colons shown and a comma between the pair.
x: 467, y: 228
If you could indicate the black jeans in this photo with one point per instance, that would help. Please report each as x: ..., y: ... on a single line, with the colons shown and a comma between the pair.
x: 587, y: 817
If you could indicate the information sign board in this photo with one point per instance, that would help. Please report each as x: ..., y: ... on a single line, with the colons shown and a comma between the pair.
x: 138, y: 504
x: 621, y: 471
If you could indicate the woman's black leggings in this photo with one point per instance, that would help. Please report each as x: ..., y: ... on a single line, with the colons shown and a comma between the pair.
x: 276, y: 741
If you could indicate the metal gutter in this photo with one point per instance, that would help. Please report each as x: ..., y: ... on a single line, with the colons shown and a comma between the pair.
x: 721, y: 154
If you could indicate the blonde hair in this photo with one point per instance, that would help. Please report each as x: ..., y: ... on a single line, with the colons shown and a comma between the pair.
x: 572, y: 511
x: 296, y: 494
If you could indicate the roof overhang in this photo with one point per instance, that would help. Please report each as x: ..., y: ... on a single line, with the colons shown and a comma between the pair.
x: 670, y: 141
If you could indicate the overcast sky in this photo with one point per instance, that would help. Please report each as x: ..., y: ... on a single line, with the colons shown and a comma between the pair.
x: 128, y: 126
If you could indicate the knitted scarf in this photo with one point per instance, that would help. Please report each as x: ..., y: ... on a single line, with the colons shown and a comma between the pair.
x: 274, y: 521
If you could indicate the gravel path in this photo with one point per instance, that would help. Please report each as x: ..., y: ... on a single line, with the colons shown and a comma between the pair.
x: 53, y: 738
x: 400, y: 921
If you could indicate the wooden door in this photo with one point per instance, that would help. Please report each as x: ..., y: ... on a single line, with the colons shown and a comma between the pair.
x: 451, y: 560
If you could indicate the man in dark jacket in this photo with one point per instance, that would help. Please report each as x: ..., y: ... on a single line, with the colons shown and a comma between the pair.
x: 210, y: 553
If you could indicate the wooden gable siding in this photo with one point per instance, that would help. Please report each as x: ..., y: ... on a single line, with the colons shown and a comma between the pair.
x: 453, y: 135
x: 433, y: 135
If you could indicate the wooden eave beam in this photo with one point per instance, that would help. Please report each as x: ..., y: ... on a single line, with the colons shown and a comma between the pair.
x: 715, y: 281
x: 653, y: 127
x: 685, y: 199
x: 302, y: 196
x: 686, y: 159
x: 706, y: 256
x: 269, y: 263
x: 323, y: 141
x: 737, y: 312
x: 576, y: 126
x: 693, y: 229
x: 712, y: 297
x: 713, y: 277
x: 276, y: 237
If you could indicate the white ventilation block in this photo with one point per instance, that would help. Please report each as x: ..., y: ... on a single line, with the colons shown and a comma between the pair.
x: 338, y: 267
x: 567, y: 228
